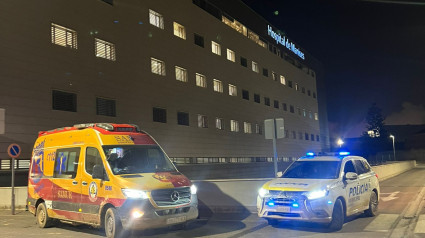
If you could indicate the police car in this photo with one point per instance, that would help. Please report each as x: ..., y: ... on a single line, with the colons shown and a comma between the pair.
x: 323, y: 189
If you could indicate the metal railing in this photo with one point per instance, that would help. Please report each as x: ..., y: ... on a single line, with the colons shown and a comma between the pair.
x: 20, y: 164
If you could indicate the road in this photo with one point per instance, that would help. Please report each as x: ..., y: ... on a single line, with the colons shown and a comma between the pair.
x: 400, y: 215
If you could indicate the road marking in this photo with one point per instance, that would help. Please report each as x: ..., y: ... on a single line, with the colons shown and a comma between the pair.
x: 420, y: 225
x: 391, y: 196
x: 382, y: 223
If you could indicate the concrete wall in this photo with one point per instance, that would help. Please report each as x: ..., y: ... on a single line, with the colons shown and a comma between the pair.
x: 226, y: 195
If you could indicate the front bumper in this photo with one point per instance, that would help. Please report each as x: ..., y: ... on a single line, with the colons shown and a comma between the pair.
x: 295, y: 208
x: 156, y: 217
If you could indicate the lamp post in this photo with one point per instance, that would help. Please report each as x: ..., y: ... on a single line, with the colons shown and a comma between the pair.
x: 340, y: 142
x: 392, y: 137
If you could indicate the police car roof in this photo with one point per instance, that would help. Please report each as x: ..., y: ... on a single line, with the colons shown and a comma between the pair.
x: 327, y: 158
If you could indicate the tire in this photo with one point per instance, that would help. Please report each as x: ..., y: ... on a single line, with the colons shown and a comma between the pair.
x: 373, y: 205
x: 338, y: 216
x: 43, y: 219
x: 272, y: 222
x: 113, y: 225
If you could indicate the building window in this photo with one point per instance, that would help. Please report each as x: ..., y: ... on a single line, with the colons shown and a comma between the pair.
x: 247, y: 128
x: 244, y: 62
x: 265, y: 72
x: 310, y: 115
x: 215, y: 48
x: 159, y: 115
x: 201, y: 80
x: 156, y: 19
x: 312, y: 137
x: 291, y: 109
x: 257, y: 98
x: 218, y: 86
x: 274, y: 76
x: 245, y: 94
x: 219, y: 123
x: 299, y: 111
x: 306, y: 136
x: 316, y: 116
x: 234, y: 125
x: 179, y: 30
x: 255, y: 67
x: 258, y: 129
x: 199, y: 40
x: 300, y: 135
x: 266, y: 101
x: 317, y: 138
x: 290, y: 83
x: 294, y: 135
x: 282, y: 80
x: 64, y: 36
x: 303, y: 90
x: 233, y: 90
x: 308, y: 92
x: 202, y: 121
x: 181, y: 74
x: 231, y: 55
x: 64, y: 101
x: 157, y: 66
x: 304, y: 113
x: 297, y: 88
x: 286, y: 134
x: 276, y: 104
x: 285, y: 107
x: 104, y: 49
x: 105, y: 107
x: 314, y: 95
x: 183, y: 118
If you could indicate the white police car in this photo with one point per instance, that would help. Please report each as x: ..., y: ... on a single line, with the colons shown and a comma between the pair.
x: 323, y: 189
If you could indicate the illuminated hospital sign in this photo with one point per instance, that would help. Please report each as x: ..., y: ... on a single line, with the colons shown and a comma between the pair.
x: 285, y: 42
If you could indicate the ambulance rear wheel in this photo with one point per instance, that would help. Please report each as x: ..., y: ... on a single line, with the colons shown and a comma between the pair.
x: 373, y: 206
x: 43, y: 219
x: 337, y: 216
x: 113, y: 226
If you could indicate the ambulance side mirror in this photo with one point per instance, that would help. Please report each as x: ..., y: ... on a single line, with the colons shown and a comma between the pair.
x: 351, y: 176
x: 98, y: 172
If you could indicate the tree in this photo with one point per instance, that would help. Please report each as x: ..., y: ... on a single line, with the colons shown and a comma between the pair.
x: 375, y: 123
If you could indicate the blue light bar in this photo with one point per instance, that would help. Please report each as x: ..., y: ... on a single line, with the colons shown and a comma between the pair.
x: 344, y: 153
x: 310, y: 153
x: 270, y: 203
x: 295, y: 205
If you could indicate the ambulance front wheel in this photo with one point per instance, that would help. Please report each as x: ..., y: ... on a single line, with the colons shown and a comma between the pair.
x: 43, y: 219
x: 113, y: 225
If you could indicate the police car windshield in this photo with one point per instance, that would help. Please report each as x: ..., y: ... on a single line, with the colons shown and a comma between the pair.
x: 133, y: 159
x: 313, y: 170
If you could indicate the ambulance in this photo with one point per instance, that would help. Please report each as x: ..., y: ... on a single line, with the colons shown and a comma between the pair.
x: 323, y: 189
x: 107, y: 175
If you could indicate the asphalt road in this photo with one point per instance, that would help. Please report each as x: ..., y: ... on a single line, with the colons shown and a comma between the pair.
x: 401, y: 214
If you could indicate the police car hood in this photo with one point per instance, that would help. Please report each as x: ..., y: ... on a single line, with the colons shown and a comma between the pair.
x: 290, y: 184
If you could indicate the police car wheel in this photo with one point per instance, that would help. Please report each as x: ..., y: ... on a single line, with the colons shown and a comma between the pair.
x: 373, y: 205
x: 113, y: 226
x: 272, y: 222
x: 43, y: 219
x: 337, y: 216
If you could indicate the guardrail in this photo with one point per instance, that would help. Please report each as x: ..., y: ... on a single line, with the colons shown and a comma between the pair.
x: 6, y: 164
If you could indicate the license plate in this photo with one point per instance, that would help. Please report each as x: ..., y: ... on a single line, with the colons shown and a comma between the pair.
x: 283, y: 209
x: 174, y: 220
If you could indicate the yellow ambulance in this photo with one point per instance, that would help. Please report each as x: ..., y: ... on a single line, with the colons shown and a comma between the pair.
x: 107, y: 175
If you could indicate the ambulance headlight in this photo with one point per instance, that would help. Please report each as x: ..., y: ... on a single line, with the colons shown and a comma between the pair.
x: 317, y: 194
x: 193, y: 189
x: 263, y: 192
x: 133, y: 193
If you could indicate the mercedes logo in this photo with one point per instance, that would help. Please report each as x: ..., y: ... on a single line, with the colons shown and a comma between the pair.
x: 175, y: 196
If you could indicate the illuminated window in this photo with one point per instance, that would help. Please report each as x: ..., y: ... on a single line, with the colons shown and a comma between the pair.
x: 258, y: 129
x: 201, y: 80
x: 202, y: 121
x: 316, y: 116
x: 235, y: 25
x: 157, y: 66
x: 304, y: 112
x: 215, y: 48
x: 104, y: 49
x: 282, y: 80
x: 64, y: 36
x: 231, y: 55
x: 219, y: 123
x: 181, y: 74
x: 255, y: 67
x: 218, y: 86
x: 247, y: 128
x: 234, y: 125
x: 179, y: 30
x: 233, y: 90
x: 274, y: 76
x: 297, y: 87
x: 156, y: 19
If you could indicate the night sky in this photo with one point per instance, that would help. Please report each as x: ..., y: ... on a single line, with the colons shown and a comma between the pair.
x: 372, y: 52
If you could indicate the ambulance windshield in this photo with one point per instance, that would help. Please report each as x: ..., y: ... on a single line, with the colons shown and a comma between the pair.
x: 133, y: 159
x: 313, y: 170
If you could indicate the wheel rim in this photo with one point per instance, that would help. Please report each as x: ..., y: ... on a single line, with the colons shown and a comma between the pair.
x: 41, y: 216
x: 110, y: 225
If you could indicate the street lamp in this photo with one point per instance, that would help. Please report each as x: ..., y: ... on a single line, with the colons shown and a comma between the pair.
x: 392, y: 137
x: 340, y: 142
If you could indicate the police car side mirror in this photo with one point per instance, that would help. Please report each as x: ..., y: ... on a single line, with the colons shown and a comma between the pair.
x: 351, y: 176
x: 98, y: 172
x: 279, y: 174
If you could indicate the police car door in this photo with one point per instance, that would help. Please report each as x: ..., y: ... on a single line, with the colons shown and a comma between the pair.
x: 364, y: 188
x: 351, y: 196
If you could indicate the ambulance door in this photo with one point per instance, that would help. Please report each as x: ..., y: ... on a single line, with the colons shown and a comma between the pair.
x: 92, y: 190
x: 66, y: 184
x: 351, y: 195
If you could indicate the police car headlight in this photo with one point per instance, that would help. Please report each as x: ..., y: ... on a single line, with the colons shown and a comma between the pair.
x: 317, y: 194
x: 133, y: 193
x: 263, y: 192
x: 193, y: 189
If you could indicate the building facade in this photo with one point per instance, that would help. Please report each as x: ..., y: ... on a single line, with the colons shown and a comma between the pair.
x: 193, y: 74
